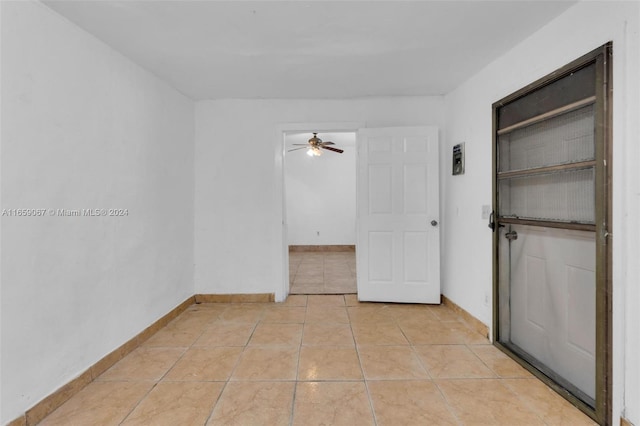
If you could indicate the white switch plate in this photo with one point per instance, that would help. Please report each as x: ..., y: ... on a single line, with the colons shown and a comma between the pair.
x: 486, y: 211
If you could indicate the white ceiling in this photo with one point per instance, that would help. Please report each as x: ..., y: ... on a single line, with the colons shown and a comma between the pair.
x: 311, y: 49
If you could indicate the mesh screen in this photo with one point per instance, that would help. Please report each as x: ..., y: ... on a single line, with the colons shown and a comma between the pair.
x: 567, y: 138
x: 562, y: 196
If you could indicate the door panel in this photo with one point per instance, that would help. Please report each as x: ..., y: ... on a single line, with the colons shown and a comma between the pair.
x: 398, y: 247
x: 553, y: 301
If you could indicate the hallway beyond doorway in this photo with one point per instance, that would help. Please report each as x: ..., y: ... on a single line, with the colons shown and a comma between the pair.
x: 322, y: 272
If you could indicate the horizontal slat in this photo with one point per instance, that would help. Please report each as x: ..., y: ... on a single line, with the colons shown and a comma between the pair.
x: 549, y: 114
x: 548, y: 224
x: 548, y: 169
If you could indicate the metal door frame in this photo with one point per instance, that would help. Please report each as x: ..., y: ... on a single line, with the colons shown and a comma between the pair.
x: 602, y: 57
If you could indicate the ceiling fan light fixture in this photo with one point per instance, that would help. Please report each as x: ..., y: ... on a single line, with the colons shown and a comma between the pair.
x: 310, y: 152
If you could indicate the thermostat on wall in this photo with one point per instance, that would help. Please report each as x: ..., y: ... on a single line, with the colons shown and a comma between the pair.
x: 458, y: 159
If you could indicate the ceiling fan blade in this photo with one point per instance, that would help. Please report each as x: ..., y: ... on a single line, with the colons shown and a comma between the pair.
x: 339, y: 151
x: 327, y: 143
x: 305, y: 144
x: 295, y: 149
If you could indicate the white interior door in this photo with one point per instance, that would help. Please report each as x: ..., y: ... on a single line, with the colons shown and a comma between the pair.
x: 398, y: 235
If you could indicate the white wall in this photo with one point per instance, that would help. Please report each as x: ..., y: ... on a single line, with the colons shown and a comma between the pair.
x: 238, y: 195
x: 83, y: 127
x: 467, y: 239
x: 321, y: 191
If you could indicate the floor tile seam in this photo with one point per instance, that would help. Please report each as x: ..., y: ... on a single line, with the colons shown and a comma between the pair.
x: 244, y: 349
x: 293, y: 402
x: 99, y: 380
x: 364, y: 377
x: 495, y: 375
x: 448, y: 403
x: 135, y: 406
x: 235, y: 365
x: 268, y: 380
x: 340, y: 380
x: 402, y: 379
x: 213, y: 407
x: 483, y: 362
x: 261, y: 381
x: 199, y: 336
x: 172, y: 365
x: 417, y: 355
x: 195, y: 381
x: 517, y: 395
x: 532, y: 407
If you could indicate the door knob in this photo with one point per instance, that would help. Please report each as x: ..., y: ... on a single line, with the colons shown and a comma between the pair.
x: 434, y: 223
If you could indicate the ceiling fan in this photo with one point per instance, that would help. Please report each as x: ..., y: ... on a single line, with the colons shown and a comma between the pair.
x: 315, y: 146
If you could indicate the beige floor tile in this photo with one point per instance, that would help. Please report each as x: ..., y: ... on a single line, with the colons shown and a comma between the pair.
x: 381, y: 333
x: 369, y: 313
x: 486, y: 401
x: 309, y: 270
x: 452, y: 362
x: 468, y: 335
x: 311, y: 289
x: 351, y: 299
x: 550, y: 406
x: 100, y: 403
x: 411, y: 313
x: 144, y: 363
x: 325, y: 300
x: 276, y: 334
x: 254, y: 403
x: 329, y: 363
x: 226, y: 334
x: 500, y: 363
x: 332, y: 334
x: 285, y: 314
x: 338, y: 275
x: 327, y: 314
x: 332, y: 403
x: 295, y: 300
x: 390, y: 362
x: 414, y: 402
x: 174, y: 336
x: 443, y: 313
x: 198, y: 319
x: 308, y: 280
x: 176, y: 403
x: 440, y: 333
x: 339, y: 288
x: 200, y: 364
x: 253, y: 352
x: 249, y: 313
x: 323, y: 273
x: 267, y: 363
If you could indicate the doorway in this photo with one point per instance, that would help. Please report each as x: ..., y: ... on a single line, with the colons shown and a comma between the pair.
x: 397, y: 211
x: 552, y: 206
x: 320, y: 207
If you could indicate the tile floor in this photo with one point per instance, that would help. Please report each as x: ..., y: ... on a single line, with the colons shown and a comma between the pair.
x: 322, y: 272
x: 316, y: 360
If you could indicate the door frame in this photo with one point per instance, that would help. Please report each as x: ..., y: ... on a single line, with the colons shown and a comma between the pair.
x: 602, y: 57
x: 280, y: 152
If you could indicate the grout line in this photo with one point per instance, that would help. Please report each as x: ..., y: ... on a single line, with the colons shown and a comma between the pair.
x: 295, y: 385
x: 170, y: 368
x: 142, y: 398
x: 448, y: 405
x: 364, y: 378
